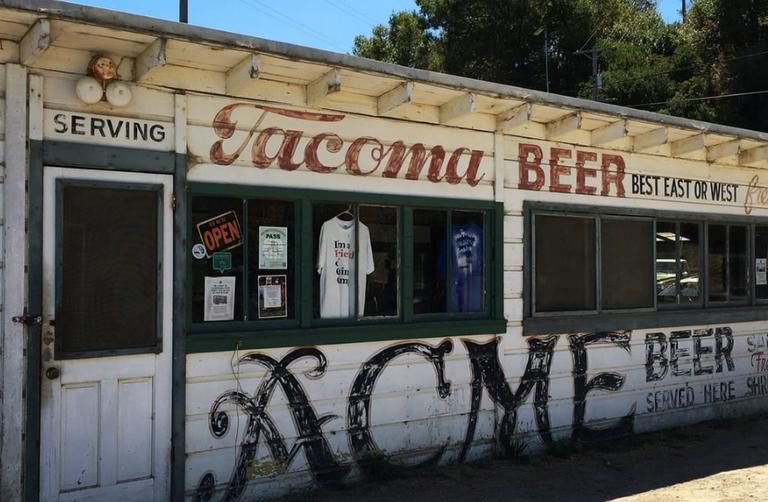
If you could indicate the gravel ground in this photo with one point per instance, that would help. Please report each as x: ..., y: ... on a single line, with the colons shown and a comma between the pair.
x: 723, y: 461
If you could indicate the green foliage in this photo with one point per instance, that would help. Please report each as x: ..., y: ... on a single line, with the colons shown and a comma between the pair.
x: 643, y: 62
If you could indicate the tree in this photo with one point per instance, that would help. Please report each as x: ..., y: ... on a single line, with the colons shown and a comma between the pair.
x: 644, y: 62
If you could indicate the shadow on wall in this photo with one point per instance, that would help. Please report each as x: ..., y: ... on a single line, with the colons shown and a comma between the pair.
x: 487, y: 373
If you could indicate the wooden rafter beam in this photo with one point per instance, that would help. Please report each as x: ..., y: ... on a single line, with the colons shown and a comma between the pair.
x: 457, y: 107
x: 753, y: 155
x: 243, y: 73
x: 318, y: 90
x: 651, y: 139
x: 393, y: 99
x: 687, y: 145
x: 152, y: 58
x: 609, y: 133
x: 514, y: 118
x: 564, y: 125
x: 723, y: 150
x: 35, y: 42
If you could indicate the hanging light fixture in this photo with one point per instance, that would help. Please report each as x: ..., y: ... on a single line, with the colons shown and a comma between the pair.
x: 101, y: 85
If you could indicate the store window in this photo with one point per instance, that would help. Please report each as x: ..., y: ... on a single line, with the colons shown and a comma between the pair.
x: 727, y: 260
x: 626, y: 259
x: 271, y: 260
x: 565, y: 263
x: 356, y: 254
x: 595, y: 262
x: 678, y: 272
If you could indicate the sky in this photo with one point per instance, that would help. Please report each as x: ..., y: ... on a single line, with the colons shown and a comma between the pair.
x: 323, y: 24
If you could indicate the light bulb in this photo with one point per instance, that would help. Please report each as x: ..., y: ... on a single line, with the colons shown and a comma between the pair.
x: 89, y: 90
x: 118, y: 94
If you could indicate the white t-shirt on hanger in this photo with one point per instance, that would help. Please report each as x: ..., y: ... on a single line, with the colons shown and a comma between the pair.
x: 337, y: 261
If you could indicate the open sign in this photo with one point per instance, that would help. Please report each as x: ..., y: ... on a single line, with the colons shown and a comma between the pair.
x: 220, y: 233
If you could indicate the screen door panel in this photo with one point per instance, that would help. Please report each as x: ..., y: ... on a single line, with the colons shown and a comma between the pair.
x: 106, y: 390
x: 108, y: 269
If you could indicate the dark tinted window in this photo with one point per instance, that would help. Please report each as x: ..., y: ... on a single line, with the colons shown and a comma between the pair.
x: 761, y: 262
x: 564, y: 262
x: 627, y: 263
x: 429, y: 261
x: 107, y: 296
x: 717, y: 261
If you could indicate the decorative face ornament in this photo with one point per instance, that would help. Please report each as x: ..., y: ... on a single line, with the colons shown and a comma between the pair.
x: 99, y: 85
x: 102, y: 68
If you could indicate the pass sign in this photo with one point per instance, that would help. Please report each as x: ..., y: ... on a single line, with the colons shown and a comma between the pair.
x: 220, y: 233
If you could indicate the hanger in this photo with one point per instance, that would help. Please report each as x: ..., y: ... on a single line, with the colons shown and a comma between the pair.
x: 347, y: 212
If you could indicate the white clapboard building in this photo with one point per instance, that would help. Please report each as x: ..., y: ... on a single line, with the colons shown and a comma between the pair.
x: 234, y: 268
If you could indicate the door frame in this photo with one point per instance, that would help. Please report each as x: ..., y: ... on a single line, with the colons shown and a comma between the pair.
x: 78, y: 155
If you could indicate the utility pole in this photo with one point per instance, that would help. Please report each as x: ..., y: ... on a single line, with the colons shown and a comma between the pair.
x: 683, y: 11
x: 546, y: 56
x: 594, y: 55
x: 184, y: 11
x: 594, y: 73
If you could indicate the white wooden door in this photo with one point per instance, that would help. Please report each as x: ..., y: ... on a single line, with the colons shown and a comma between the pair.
x: 105, y: 409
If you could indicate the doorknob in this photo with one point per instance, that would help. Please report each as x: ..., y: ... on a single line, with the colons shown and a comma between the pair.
x: 52, y: 373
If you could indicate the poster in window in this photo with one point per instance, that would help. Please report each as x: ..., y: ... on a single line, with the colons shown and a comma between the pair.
x: 220, y: 233
x: 272, y: 296
x: 273, y: 248
x: 760, y: 271
x: 219, y: 294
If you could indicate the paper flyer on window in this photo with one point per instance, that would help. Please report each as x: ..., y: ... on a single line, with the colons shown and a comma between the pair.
x: 273, y: 248
x: 219, y: 297
x: 760, y: 271
x: 272, y: 296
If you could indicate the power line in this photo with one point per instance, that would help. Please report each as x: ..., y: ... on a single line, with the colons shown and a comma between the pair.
x: 352, y: 11
x: 288, y: 21
x: 686, y: 68
x: 704, y: 98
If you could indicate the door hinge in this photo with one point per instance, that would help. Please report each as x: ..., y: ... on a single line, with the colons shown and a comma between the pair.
x: 173, y: 202
x: 28, y: 319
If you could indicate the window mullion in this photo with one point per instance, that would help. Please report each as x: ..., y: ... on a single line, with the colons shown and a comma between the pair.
x: 448, y: 260
x: 598, y: 265
x: 246, y: 238
x: 406, y: 264
x: 306, y: 268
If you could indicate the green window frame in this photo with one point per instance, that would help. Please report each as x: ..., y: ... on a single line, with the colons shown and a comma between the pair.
x: 703, y: 311
x: 304, y: 328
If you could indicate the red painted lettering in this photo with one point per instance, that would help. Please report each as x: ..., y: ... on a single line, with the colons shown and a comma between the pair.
x: 616, y: 177
x: 583, y: 172
x: 556, y: 169
x: 526, y: 166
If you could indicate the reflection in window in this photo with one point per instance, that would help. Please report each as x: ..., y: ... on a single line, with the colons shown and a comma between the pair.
x: 677, y: 263
x: 666, y: 262
x: 690, y: 268
x: 717, y: 256
x: 727, y: 248
x: 737, y: 262
x: 466, y: 292
x: 761, y: 262
x: 564, y: 261
x: 429, y: 237
x: 381, y: 293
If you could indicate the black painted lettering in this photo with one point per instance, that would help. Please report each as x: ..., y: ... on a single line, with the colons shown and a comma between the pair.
x: 97, y: 124
x: 61, y: 123
x: 78, y: 125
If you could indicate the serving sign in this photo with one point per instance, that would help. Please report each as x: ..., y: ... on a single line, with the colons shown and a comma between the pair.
x: 107, y: 130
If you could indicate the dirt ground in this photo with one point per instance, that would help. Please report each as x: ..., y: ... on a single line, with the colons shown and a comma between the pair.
x: 722, y: 461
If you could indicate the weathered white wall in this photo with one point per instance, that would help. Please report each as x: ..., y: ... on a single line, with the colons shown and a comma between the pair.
x: 529, y: 385
x: 12, y: 250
